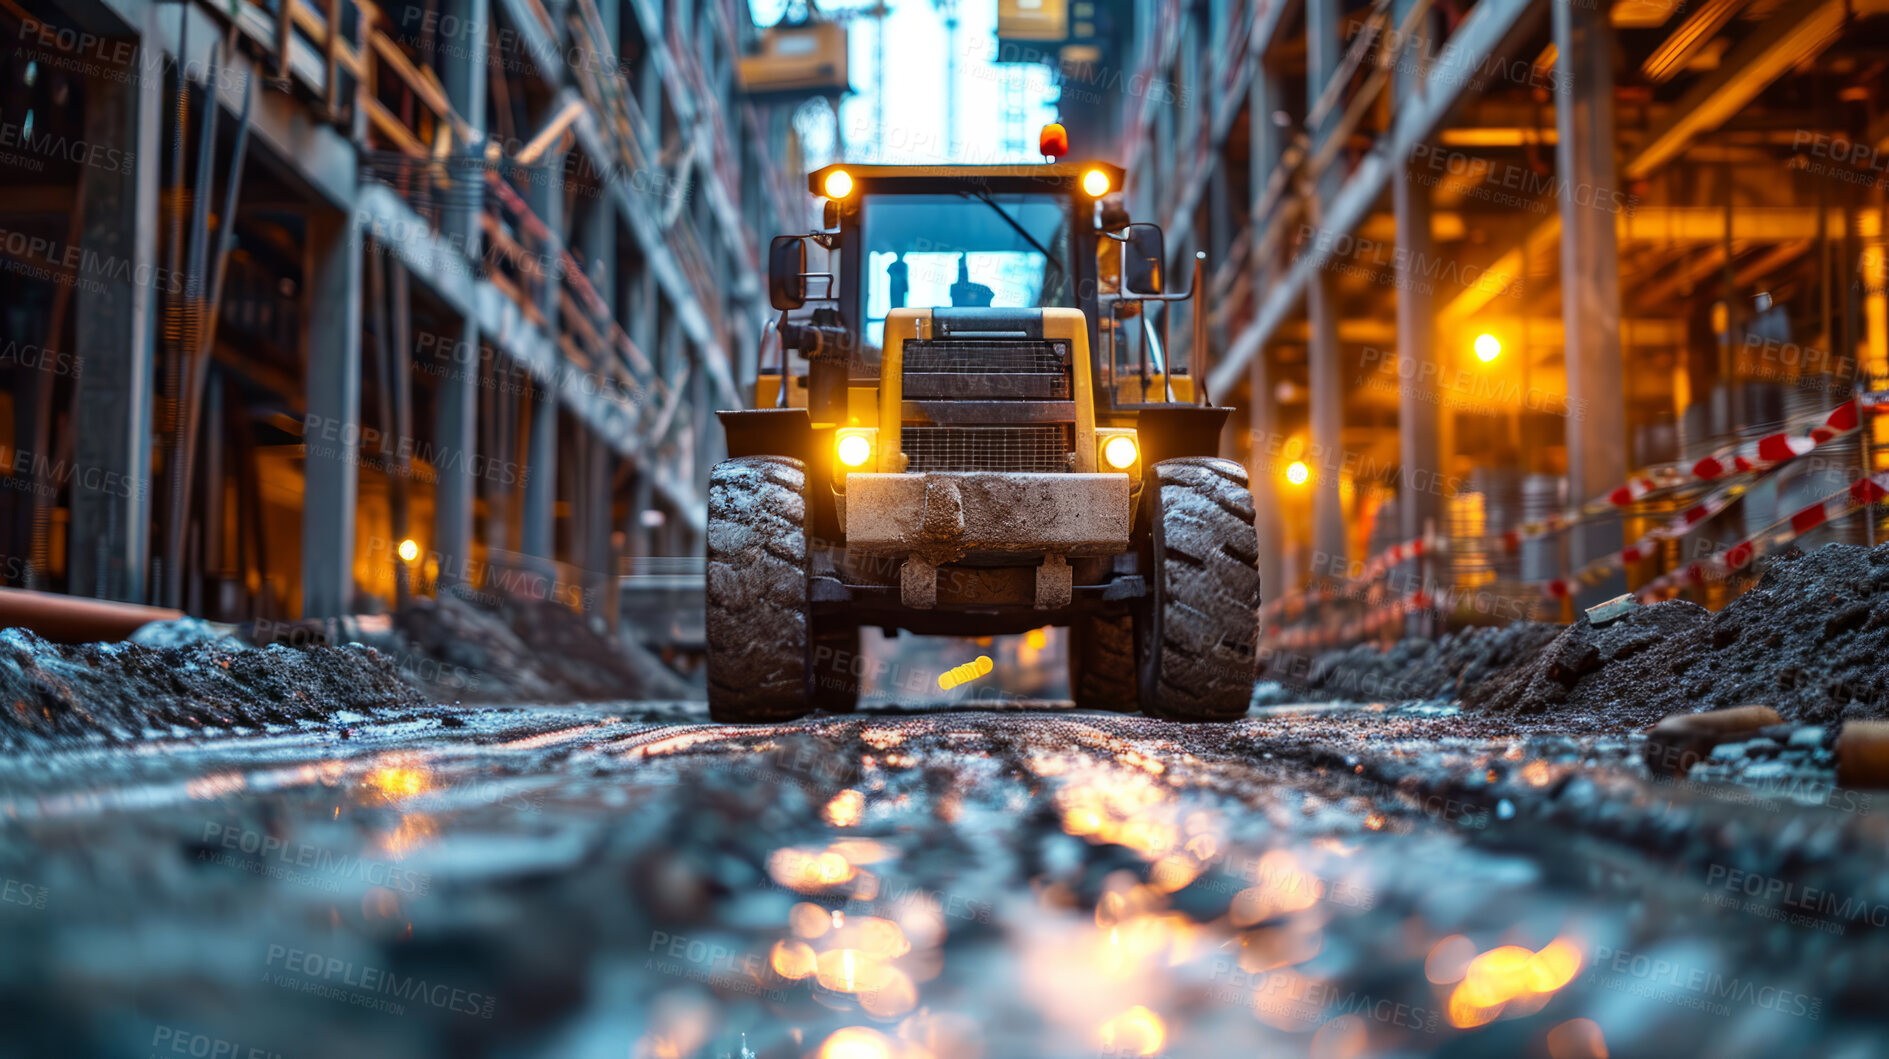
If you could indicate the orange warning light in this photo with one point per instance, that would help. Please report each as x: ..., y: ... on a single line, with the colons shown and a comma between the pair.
x: 1053, y: 141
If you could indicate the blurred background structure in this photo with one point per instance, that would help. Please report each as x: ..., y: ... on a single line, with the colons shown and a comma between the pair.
x: 310, y: 304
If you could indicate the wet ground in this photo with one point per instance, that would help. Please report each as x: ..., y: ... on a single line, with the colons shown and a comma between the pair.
x: 628, y: 880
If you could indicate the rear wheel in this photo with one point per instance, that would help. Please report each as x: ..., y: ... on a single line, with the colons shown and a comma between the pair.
x: 758, y: 626
x: 1102, y: 662
x: 1199, y: 639
x: 835, y: 673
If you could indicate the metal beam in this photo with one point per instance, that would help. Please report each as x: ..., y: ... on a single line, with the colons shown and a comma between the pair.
x: 1325, y: 373
x: 1488, y: 29
x: 1590, y: 285
x: 332, y: 440
x: 1419, y: 505
x: 116, y: 334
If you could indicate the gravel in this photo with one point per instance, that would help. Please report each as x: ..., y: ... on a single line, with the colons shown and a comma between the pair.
x: 58, y: 693
x: 1808, y: 639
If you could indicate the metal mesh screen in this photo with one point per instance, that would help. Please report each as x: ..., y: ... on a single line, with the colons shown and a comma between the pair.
x: 1040, y: 448
x: 994, y: 357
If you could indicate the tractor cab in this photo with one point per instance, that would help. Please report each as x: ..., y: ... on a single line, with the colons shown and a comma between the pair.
x: 987, y: 437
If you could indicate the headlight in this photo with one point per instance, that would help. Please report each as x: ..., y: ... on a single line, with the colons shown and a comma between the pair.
x: 1120, y: 452
x: 855, y: 450
x: 1095, y: 183
x: 839, y: 184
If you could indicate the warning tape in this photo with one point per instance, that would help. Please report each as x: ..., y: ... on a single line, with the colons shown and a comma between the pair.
x: 1798, y: 437
x: 1858, y: 495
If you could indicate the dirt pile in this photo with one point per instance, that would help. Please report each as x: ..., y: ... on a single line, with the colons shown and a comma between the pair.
x: 1810, y: 639
x: 121, y: 691
x: 523, y: 650
x: 1414, y: 668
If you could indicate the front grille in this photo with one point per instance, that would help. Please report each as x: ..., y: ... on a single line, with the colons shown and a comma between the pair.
x: 1032, y: 369
x: 1039, y: 448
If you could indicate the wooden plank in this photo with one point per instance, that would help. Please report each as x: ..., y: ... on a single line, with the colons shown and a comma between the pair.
x: 389, y: 126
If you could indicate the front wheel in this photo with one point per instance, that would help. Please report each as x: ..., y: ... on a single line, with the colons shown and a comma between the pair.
x: 1102, y: 662
x: 758, y: 620
x: 1199, y: 637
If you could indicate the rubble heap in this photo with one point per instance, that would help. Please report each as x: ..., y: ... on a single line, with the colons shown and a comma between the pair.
x: 122, y: 691
x: 1413, y: 668
x: 1808, y: 639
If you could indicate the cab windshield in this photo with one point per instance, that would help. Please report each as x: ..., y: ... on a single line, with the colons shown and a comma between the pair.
x: 969, y: 249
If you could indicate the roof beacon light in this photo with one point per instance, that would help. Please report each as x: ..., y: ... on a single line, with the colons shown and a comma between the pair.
x: 1053, y: 141
x: 839, y: 184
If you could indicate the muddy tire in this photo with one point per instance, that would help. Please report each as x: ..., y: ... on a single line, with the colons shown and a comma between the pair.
x: 1102, y: 663
x: 835, y: 670
x: 1199, y: 634
x: 759, y: 625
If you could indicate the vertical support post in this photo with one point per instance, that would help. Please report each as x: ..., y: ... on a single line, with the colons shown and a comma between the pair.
x: 456, y: 398
x: 1418, y: 503
x: 1590, y: 279
x: 116, y: 334
x: 1327, y: 397
x: 539, y: 538
x: 456, y: 425
x: 334, y: 411
x: 1263, y: 98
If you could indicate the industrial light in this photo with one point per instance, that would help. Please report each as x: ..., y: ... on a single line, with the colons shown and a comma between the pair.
x: 409, y: 550
x: 1120, y: 452
x: 1095, y: 182
x: 1298, y: 473
x: 855, y: 449
x: 1488, y: 347
x: 839, y: 184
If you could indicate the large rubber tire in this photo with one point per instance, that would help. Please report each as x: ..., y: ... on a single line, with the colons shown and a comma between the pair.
x: 1102, y: 663
x: 835, y: 671
x: 1199, y: 633
x: 759, y: 623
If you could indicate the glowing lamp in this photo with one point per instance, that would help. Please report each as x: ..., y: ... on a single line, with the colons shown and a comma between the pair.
x: 1120, y: 452
x: 854, y: 450
x: 1053, y: 141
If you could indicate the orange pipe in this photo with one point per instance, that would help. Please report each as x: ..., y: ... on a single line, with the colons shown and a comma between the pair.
x: 75, y: 619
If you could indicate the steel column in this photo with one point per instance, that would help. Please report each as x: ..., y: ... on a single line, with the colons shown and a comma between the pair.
x: 1590, y: 279
x: 541, y: 477
x: 332, y: 439
x: 1419, y: 502
x: 116, y: 334
x: 456, y: 398
x: 1326, y: 380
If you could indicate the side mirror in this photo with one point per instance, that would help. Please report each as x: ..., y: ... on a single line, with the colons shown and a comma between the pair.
x: 1143, y: 255
x: 786, y: 268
